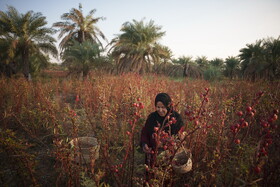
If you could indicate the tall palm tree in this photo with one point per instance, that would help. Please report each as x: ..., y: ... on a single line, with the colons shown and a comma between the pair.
x: 81, y: 57
x: 232, y: 67
x: 137, y: 48
x: 252, y: 60
x: 272, y: 57
x: 78, y: 27
x: 23, y: 36
x: 261, y: 59
x: 202, y: 62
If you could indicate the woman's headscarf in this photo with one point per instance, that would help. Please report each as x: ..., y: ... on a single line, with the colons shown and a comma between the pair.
x: 164, y: 98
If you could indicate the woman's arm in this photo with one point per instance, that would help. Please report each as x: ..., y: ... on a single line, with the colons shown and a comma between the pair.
x: 145, y: 142
x: 144, y: 137
x: 178, y: 125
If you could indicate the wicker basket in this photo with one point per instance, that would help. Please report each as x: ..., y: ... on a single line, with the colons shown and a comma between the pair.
x: 182, y: 162
x: 87, y: 149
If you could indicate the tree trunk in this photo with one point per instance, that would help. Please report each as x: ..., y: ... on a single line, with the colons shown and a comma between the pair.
x: 85, y: 73
x: 186, y: 70
x: 25, y: 63
x: 81, y: 36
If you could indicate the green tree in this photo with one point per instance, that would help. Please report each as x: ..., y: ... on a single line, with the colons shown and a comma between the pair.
x: 137, y: 48
x: 24, y: 37
x: 232, y: 67
x: 252, y: 60
x: 190, y: 68
x: 202, y: 62
x: 78, y: 27
x: 261, y: 60
x: 272, y: 57
x: 214, y: 69
x: 217, y: 62
x: 81, y: 57
x: 212, y: 73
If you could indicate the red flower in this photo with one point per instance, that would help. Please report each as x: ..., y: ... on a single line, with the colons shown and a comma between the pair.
x: 77, y: 98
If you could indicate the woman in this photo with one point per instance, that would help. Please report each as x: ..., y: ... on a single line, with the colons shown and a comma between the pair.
x: 156, y: 120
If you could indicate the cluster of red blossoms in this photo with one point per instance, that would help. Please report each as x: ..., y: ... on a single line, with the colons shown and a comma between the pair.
x: 190, y: 114
x: 162, y: 138
x: 242, y: 123
x: 204, y: 96
x: 138, y: 105
x: 115, y: 168
x: 77, y: 98
x: 267, y: 127
x: 72, y: 113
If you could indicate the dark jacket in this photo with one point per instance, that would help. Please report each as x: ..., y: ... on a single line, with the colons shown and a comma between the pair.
x: 152, y: 121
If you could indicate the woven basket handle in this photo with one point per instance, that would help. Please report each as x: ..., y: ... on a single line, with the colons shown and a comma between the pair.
x: 187, y: 151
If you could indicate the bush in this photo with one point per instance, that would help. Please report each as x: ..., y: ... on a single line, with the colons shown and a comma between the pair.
x: 212, y: 74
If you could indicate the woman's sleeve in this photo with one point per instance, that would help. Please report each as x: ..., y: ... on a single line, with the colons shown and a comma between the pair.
x: 145, y: 133
x: 178, y: 125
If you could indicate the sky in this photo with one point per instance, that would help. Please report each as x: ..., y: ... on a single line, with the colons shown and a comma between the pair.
x: 211, y: 28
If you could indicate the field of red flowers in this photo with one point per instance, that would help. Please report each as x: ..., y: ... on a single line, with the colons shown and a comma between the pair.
x: 231, y: 129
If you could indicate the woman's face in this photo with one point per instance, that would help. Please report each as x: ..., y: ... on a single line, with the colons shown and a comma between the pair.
x: 161, y: 109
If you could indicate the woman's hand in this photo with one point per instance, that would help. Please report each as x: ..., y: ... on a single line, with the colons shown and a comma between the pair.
x: 147, y: 149
x: 182, y: 135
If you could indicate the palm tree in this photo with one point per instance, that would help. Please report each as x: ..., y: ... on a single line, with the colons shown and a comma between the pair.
x: 190, y: 68
x: 22, y: 36
x: 231, y: 67
x: 78, y: 27
x: 202, y: 62
x: 81, y: 57
x: 272, y: 57
x: 261, y: 59
x: 8, y: 57
x: 252, y: 60
x: 217, y: 62
x: 165, y: 67
x: 137, y: 48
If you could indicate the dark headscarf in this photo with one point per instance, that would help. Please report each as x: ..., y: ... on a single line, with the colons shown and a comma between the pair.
x: 164, y: 98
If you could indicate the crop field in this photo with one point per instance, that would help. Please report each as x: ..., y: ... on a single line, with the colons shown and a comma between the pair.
x: 231, y: 129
